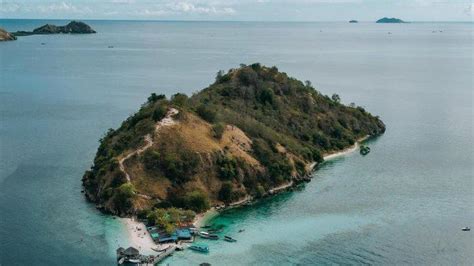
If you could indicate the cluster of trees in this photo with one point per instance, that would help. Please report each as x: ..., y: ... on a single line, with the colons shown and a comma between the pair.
x: 195, y: 200
x: 170, y: 217
x: 177, y: 163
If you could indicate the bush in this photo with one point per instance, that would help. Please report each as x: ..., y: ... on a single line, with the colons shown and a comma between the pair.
x: 154, y: 98
x: 227, y: 168
x: 218, y: 130
x: 196, y: 201
x: 180, y: 99
x: 260, y: 191
x: 248, y: 76
x: 159, y: 113
x: 266, y: 96
x: 206, y: 113
x: 225, y: 193
x: 177, y: 165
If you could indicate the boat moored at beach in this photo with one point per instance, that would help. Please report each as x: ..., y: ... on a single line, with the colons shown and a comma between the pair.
x: 208, y: 235
x: 200, y: 248
x: 229, y: 239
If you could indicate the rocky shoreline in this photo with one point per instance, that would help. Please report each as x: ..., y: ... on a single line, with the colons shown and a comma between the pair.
x: 6, y: 36
x: 202, y: 218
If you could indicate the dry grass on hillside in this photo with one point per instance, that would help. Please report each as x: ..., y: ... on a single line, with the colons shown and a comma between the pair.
x: 238, y: 144
x: 152, y: 185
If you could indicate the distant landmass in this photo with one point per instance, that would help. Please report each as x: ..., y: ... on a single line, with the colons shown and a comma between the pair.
x: 253, y: 132
x: 390, y: 20
x: 6, y: 36
x: 73, y: 27
x: 353, y: 21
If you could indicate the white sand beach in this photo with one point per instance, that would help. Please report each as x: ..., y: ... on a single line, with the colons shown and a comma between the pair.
x: 201, y: 218
x: 139, y: 237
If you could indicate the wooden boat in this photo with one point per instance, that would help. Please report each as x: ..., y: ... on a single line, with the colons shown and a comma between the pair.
x: 208, y: 236
x: 200, y: 248
x: 229, y: 239
x: 466, y: 229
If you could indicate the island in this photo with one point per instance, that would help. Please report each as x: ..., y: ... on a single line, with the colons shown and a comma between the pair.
x: 390, y: 20
x: 252, y: 133
x: 73, y: 27
x: 353, y: 21
x: 6, y: 36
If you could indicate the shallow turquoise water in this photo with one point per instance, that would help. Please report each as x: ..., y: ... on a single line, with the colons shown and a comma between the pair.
x: 404, y: 203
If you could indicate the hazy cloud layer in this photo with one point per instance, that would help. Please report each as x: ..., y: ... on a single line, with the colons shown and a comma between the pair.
x: 272, y: 10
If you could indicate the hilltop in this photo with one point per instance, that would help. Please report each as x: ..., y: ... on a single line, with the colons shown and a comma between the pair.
x: 253, y: 130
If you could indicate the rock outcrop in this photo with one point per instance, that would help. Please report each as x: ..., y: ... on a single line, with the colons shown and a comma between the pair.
x: 73, y: 27
x: 6, y: 36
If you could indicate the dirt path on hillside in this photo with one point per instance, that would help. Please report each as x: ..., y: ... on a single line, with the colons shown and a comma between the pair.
x: 166, y: 121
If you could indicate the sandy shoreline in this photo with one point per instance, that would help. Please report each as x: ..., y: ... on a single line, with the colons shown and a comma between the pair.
x: 139, y: 239
x: 345, y: 151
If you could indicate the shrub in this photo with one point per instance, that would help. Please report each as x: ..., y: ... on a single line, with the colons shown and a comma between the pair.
x: 206, y: 113
x: 225, y: 193
x: 227, y: 167
x: 159, y: 113
x: 180, y: 99
x: 153, y: 97
x: 196, y: 201
x: 218, y: 130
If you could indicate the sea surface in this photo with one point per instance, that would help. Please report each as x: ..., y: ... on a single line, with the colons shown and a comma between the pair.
x: 404, y: 203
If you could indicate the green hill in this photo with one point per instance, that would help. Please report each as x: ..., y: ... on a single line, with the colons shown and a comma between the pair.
x: 254, y: 129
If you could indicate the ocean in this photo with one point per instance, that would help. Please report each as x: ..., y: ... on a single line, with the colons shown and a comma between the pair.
x: 404, y: 203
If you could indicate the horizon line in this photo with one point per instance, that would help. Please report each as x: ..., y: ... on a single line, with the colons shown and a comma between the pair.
x: 264, y: 21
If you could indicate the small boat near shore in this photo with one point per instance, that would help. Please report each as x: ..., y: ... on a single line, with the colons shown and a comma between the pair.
x: 208, y: 235
x: 229, y: 239
x: 465, y: 229
x: 364, y: 150
x: 200, y: 248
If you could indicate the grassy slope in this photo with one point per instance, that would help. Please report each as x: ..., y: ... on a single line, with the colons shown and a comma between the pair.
x: 253, y: 129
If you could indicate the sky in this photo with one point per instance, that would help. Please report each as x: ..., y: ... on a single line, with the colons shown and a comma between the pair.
x: 241, y: 10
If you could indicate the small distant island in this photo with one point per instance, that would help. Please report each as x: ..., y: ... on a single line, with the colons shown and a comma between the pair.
x: 353, y: 21
x: 73, y: 27
x: 6, y: 36
x: 390, y: 20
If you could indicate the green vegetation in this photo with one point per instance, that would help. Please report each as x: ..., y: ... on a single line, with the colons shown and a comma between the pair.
x: 218, y: 130
x: 169, y: 218
x: 284, y: 126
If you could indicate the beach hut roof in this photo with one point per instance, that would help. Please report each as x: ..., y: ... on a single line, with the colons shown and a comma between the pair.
x: 120, y: 249
x: 131, y: 251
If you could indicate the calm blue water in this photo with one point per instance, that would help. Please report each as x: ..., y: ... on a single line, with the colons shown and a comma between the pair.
x: 402, y: 204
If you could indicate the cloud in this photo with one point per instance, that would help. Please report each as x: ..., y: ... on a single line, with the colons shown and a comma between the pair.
x: 63, y: 7
x: 9, y: 7
x: 469, y: 10
x: 127, y: 2
x: 188, y: 8
x: 58, y: 8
